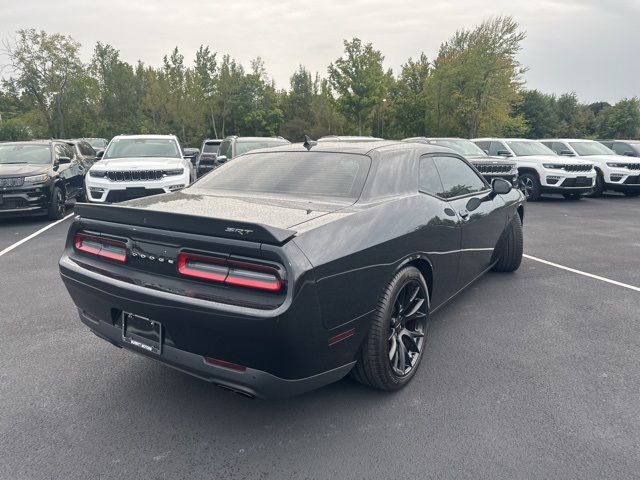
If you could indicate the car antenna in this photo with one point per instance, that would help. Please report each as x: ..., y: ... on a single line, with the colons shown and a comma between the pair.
x: 308, y: 143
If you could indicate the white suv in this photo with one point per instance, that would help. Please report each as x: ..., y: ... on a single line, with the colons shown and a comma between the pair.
x: 540, y: 169
x: 615, y: 172
x: 135, y: 166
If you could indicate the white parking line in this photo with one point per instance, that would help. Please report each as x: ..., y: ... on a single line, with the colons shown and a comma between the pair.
x: 586, y: 274
x: 33, y: 235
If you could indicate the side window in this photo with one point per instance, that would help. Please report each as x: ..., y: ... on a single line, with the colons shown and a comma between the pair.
x: 225, y: 149
x: 483, y: 145
x: 626, y: 149
x: 559, y: 147
x: 60, y: 151
x: 429, y: 178
x: 457, y: 177
x: 86, y: 149
x: 497, y: 147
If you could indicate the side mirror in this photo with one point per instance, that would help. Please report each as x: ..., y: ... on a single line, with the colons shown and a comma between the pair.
x: 501, y: 186
x: 63, y: 160
x: 99, y: 154
x: 220, y: 159
x: 504, y: 153
x: 566, y: 153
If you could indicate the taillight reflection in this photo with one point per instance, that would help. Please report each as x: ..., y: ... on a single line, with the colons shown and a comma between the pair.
x: 101, y: 247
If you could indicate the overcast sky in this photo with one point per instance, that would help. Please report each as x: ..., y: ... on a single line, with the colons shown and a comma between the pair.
x: 587, y: 46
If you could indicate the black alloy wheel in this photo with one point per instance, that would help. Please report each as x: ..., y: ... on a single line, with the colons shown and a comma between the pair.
x: 394, y: 346
x: 57, y: 204
x: 529, y: 185
x: 407, y: 328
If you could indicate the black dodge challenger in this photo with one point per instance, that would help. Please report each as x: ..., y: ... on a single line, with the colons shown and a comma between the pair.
x: 290, y: 267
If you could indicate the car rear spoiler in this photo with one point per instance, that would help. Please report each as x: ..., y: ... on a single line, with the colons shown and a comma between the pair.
x: 200, y: 225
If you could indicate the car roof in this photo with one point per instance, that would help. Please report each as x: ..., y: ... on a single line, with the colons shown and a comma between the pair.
x: 349, y: 138
x: 504, y: 139
x: 32, y: 142
x: 362, y: 148
x: 259, y: 139
x: 214, y: 140
x: 567, y: 140
x: 149, y: 136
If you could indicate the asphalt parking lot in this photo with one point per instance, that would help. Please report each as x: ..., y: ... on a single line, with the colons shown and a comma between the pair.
x: 527, y: 375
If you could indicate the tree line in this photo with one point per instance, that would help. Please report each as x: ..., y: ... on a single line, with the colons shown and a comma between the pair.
x: 474, y: 87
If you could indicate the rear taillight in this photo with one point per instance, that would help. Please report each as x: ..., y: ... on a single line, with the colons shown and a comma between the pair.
x: 230, y: 272
x: 102, y: 247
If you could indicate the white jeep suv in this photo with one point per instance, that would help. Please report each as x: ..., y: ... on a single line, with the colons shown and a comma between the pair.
x: 135, y: 166
x: 540, y: 169
x: 615, y: 172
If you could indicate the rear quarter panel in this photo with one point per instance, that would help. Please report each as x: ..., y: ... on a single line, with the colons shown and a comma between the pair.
x: 356, y: 256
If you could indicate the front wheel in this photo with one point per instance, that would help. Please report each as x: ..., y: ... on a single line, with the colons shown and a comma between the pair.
x: 598, y: 187
x: 529, y: 184
x: 57, y: 204
x: 393, y: 348
x: 511, y: 247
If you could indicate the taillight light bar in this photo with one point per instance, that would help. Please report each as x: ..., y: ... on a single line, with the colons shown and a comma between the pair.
x: 230, y: 272
x: 102, y: 247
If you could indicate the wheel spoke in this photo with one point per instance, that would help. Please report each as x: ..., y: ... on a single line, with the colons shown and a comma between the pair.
x: 406, y: 327
x: 401, y: 362
x: 393, y: 350
x: 411, y: 341
x: 415, y: 309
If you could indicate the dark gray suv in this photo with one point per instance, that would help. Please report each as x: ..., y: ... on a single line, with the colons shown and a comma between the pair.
x: 233, y: 146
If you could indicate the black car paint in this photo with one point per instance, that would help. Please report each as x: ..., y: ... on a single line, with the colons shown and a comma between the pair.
x: 35, y: 198
x: 338, y: 259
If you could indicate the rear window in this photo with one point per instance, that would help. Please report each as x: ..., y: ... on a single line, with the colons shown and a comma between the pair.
x: 300, y: 174
x: 247, y: 146
x: 210, y: 148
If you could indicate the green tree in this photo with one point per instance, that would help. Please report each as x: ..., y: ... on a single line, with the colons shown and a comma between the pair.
x: 45, y: 64
x: 407, y: 98
x: 621, y: 120
x: 540, y: 113
x: 476, y: 79
x: 359, y: 80
x: 119, y: 99
x: 298, y: 105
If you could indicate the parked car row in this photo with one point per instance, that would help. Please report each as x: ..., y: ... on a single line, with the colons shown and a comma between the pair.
x: 571, y: 167
x: 42, y: 176
x: 133, y: 166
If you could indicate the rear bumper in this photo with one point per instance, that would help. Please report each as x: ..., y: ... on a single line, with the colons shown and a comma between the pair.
x: 250, y: 382
x: 282, y: 352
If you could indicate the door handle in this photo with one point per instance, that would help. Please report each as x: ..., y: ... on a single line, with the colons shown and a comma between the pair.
x: 464, y: 214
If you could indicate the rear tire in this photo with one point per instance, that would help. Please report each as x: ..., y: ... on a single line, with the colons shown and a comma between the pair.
x: 57, y: 204
x: 598, y: 187
x: 511, y: 248
x: 394, y: 345
x: 529, y: 184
